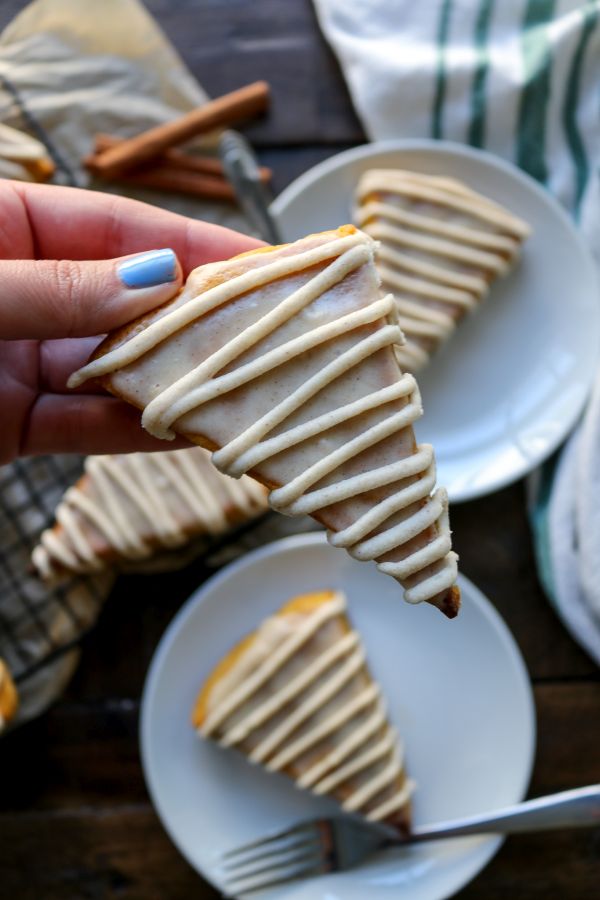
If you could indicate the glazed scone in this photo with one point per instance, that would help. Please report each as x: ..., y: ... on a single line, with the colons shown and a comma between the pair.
x: 441, y: 245
x: 126, y: 508
x: 283, y: 361
x: 297, y: 697
x: 9, y: 699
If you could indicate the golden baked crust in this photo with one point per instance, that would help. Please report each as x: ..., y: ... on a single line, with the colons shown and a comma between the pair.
x: 9, y: 698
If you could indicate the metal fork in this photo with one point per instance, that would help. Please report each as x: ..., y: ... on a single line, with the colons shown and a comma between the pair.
x: 334, y: 844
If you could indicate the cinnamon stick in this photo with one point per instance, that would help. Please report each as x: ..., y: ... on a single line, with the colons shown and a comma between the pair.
x: 220, y: 113
x: 207, y: 165
x: 168, y: 178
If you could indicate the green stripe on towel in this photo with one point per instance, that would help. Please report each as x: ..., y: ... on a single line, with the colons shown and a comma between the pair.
x: 531, y: 126
x: 569, y: 113
x: 440, y: 78
x: 476, y: 135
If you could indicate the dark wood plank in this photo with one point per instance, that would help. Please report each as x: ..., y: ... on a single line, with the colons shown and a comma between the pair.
x: 9, y: 9
x: 125, y: 854
x: 86, y: 853
x: 560, y: 864
x: 568, y: 723
x: 537, y: 867
x: 288, y: 163
x: 77, y: 755
x: 229, y: 44
x: 493, y: 539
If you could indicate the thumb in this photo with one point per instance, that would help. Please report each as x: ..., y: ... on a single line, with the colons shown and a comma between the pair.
x: 64, y: 298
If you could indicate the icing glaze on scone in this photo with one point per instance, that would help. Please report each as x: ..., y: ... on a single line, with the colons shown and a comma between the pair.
x: 283, y: 361
x: 441, y: 245
x: 129, y: 505
x: 296, y: 697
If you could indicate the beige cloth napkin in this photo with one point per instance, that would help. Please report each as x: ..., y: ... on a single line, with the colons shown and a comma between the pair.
x: 72, y: 68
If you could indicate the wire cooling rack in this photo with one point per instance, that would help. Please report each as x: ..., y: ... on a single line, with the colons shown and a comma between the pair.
x: 38, y: 624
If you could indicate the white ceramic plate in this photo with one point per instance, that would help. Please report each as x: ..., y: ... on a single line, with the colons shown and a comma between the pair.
x: 457, y: 690
x: 511, y: 382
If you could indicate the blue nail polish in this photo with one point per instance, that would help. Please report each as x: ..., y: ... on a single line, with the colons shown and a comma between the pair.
x: 149, y: 269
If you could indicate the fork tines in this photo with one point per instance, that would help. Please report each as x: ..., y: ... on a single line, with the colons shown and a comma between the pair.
x: 297, y: 853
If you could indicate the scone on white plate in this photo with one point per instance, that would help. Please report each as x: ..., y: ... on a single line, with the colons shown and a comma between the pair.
x: 297, y: 697
x: 441, y: 245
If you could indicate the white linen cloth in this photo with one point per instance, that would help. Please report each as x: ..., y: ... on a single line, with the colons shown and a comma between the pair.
x: 518, y: 78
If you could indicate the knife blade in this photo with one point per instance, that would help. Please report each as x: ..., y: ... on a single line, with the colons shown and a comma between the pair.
x: 242, y: 170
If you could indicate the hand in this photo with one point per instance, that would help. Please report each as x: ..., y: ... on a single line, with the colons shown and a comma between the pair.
x: 53, y: 307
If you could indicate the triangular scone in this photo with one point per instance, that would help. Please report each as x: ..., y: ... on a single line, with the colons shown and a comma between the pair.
x: 441, y: 246
x: 296, y: 696
x: 283, y: 361
x: 9, y: 699
x: 128, y: 507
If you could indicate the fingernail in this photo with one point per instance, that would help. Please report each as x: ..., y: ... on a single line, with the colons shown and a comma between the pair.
x: 149, y: 269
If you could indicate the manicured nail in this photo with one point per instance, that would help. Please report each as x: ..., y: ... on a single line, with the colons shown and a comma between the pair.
x: 149, y: 269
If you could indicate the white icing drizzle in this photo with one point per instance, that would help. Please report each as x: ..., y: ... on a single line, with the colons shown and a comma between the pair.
x: 441, y: 246
x: 342, y: 717
x: 341, y: 257
x: 249, y: 685
x: 440, y: 250
x: 357, y: 738
x: 443, y: 192
x: 395, y: 803
x: 178, y: 318
x: 332, y: 686
x: 486, y: 240
x: 138, y: 501
x: 358, y: 763
x: 368, y: 755
x: 375, y: 785
x: 257, y: 716
x: 428, y: 272
x: 428, y: 291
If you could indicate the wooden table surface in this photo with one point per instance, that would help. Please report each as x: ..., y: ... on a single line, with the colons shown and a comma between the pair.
x: 75, y: 818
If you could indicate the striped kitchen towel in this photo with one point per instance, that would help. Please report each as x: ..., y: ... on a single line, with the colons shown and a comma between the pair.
x: 518, y: 78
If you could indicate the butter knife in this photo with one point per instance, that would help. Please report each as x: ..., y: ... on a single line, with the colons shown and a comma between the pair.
x: 242, y: 170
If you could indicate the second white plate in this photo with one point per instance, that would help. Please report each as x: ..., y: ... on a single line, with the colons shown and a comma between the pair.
x: 457, y: 692
x: 510, y: 384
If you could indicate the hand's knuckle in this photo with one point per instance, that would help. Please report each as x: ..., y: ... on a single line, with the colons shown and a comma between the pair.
x: 65, y: 279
